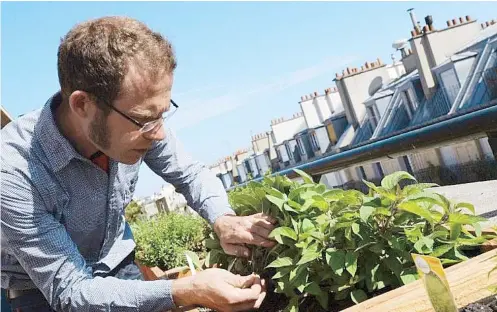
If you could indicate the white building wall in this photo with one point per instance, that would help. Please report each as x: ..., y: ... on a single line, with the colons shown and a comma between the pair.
x: 420, y: 161
x: 310, y: 114
x: 459, y: 153
x: 283, y: 153
x: 287, y: 129
x: 322, y: 138
x: 334, y: 102
x: 322, y: 108
x: 486, y: 149
x: 391, y: 165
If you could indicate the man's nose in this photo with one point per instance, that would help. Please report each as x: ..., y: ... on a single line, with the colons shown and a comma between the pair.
x: 156, y: 134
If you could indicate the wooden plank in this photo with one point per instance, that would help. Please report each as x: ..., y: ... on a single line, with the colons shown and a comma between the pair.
x: 469, y: 282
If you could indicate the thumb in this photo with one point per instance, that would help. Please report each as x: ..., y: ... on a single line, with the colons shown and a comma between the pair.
x: 247, y: 281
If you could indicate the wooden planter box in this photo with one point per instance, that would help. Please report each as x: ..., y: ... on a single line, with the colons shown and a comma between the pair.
x: 469, y: 282
x: 155, y: 273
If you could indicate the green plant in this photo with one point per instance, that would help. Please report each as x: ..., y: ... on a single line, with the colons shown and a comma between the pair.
x: 163, y: 241
x: 133, y: 212
x: 346, y: 245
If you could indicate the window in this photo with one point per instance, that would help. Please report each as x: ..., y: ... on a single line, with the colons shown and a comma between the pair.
x: 301, y: 146
x: 288, y: 151
x: 410, y: 105
x: 314, y: 141
x: 373, y: 117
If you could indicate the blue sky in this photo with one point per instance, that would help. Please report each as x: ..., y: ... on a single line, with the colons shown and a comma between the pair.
x: 240, y: 65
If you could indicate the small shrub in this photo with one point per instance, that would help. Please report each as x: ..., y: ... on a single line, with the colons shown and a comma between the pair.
x: 163, y: 241
x: 343, y: 245
x: 133, y: 212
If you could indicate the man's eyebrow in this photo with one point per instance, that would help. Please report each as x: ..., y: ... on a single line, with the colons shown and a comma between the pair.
x: 139, y: 113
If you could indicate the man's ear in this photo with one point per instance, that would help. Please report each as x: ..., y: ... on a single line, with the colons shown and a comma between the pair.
x: 82, y: 104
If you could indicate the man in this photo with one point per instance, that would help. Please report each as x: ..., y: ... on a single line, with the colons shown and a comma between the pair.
x: 69, y: 169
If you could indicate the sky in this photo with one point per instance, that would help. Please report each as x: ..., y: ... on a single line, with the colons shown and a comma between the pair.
x: 240, y: 64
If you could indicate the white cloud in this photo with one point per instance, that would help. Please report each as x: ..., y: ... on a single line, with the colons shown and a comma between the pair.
x: 200, y: 109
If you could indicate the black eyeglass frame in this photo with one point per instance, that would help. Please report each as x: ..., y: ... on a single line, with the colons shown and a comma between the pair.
x: 139, y: 124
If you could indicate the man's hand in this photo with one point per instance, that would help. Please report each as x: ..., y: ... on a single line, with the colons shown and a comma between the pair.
x: 219, y: 290
x: 234, y: 232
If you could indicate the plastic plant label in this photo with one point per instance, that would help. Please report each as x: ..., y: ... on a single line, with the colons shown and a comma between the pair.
x: 431, y: 271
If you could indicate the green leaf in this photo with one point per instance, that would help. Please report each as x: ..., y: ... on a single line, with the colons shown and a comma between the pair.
x: 358, y: 296
x: 441, y: 250
x: 293, y: 305
x: 282, y: 272
x: 289, y: 208
x: 477, y: 227
x: 307, y: 178
x: 283, y: 231
x: 194, y: 257
x: 277, y: 201
x: 459, y: 254
x: 212, y: 258
x: 461, y: 206
x: 390, y: 181
x: 416, y: 209
x: 355, y: 228
x: 417, y: 188
x: 365, y: 212
x: 274, y: 192
x: 408, y: 278
x: 307, y: 225
x: 460, y: 218
x: 336, y: 260
x: 212, y: 243
x: 296, y: 206
x: 455, y: 231
x: 351, y: 262
x: 281, y: 262
x: 427, y: 197
x: 308, y: 256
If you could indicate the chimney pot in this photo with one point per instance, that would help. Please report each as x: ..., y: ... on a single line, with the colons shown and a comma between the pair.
x: 336, y: 75
x: 425, y: 29
x: 468, y: 18
x: 493, y: 22
x: 449, y: 23
x: 315, y: 93
x: 482, y: 25
x: 454, y: 22
x: 379, y: 61
x: 461, y: 20
x: 302, y: 98
x: 487, y: 23
x: 362, y: 67
x: 367, y: 65
x: 372, y: 65
x: 348, y: 71
x: 413, y: 33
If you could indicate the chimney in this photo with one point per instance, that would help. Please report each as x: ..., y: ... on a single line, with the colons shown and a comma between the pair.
x: 429, y: 22
x: 461, y: 20
x: 348, y: 71
x: 413, y: 20
x: 454, y: 22
x: 367, y: 65
x: 468, y: 18
x: 302, y: 99
x: 379, y: 61
x: 413, y: 33
x: 315, y: 93
x: 487, y: 23
x: 449, y: 23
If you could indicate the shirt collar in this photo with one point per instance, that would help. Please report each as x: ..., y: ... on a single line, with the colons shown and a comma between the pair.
x: 56, y: 147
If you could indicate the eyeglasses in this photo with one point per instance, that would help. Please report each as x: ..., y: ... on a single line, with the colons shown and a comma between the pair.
x: 151, y: 125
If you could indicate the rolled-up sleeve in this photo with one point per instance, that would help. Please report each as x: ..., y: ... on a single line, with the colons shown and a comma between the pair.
x: 203, y: 191
x: 53, y: 262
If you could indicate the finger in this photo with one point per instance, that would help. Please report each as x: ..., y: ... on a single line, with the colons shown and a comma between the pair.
x: 259, y: 230
x: 254, y: 239
x: 264, y: 224
x: 236, y: 250
x: 266, y: 217
x: 252, y: 304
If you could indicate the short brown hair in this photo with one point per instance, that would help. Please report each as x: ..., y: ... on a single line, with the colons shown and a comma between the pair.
x: 95, y: 56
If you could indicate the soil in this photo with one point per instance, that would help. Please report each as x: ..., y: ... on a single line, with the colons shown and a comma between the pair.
x: 481, y: 306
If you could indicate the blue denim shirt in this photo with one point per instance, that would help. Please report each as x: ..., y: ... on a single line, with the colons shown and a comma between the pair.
x: 62, y: 217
